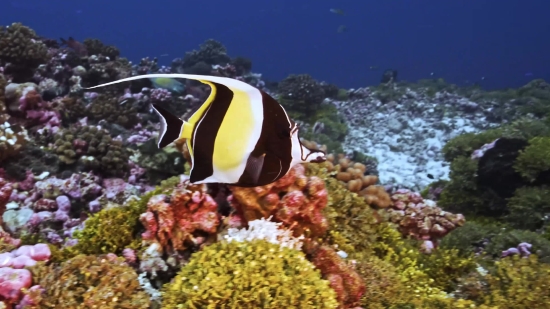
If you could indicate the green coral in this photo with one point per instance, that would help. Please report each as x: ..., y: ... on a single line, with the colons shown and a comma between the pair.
x: 334, y: 131
x: 493, y: 237
x: 534, y: 159
x: 160, y: 163
x: 463, y: 192
x: 255, y: 274
x: 301, y: 94
x: 91, y: 282
x: 529, y: 207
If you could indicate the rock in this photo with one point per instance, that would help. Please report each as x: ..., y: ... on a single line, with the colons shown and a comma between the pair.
x: 16, y: 219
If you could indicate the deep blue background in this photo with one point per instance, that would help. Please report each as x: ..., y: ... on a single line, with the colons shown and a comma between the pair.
x: 458, y: 40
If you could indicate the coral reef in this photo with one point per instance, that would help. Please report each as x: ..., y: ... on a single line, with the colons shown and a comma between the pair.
x: 78, y: 170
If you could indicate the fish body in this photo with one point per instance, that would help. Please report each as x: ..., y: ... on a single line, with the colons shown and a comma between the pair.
x: 169, y: 84
x: 337, y: 11
x: 240, y: 135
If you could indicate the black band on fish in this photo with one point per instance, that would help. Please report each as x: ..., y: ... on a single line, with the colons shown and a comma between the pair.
x: 171, y: 127
x: 207, y: 129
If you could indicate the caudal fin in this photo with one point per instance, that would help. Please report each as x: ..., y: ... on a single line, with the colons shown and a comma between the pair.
x: 171, y: 127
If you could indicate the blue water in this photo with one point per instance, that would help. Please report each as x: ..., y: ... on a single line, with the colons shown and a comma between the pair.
x: 462, y: 41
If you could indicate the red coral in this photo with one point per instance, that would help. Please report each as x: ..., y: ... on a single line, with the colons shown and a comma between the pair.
x: 343, y: 278
x: 300, y: 208
x: 180, y: 220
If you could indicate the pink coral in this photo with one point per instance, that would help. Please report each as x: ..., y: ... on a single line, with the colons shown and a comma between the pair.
x: 179, y: 220
x: 12, y: 281
x: 159, y: 95
x: 421, y: 218
x: 300, y: 208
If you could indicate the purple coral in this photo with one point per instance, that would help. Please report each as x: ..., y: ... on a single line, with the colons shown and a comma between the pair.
x: 478, y: 153
x: 522, y: 250
x: 159, y: 95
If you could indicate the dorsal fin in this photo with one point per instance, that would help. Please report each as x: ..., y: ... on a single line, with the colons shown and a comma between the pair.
x: 171, y: 127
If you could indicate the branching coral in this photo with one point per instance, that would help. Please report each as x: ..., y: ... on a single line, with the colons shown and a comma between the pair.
x: 19, y: 46
x: 248, y: 275
x: 96, y: 47
x: 295, y: 199
x: 93, y: 147
x: 182, y: 219
x: 92, y: 282
x: 211, y: 52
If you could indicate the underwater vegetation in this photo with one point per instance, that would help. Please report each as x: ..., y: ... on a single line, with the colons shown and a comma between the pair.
x: 94, y: 215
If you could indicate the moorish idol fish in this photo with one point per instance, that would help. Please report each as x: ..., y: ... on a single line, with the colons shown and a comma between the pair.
x: 240, y: 135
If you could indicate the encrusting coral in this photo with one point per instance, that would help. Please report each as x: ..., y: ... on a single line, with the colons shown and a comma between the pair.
x: 248, y: 275
x: 353, y: 175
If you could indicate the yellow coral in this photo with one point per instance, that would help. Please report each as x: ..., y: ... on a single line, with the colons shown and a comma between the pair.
x: 248, y: 275
x: 519, y: 283
x: 108, y: 231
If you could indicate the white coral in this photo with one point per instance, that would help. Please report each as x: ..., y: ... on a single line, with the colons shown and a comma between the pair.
x: 265, y: 230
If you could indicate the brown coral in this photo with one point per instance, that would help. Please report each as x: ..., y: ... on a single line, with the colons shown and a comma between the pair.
x: 421, y: 218
x: 108, y: 108
x: 93, y: 147
x: 104, y: 281
x: 20, y: 47
x: 96, y: 47
x: 352, y: 174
